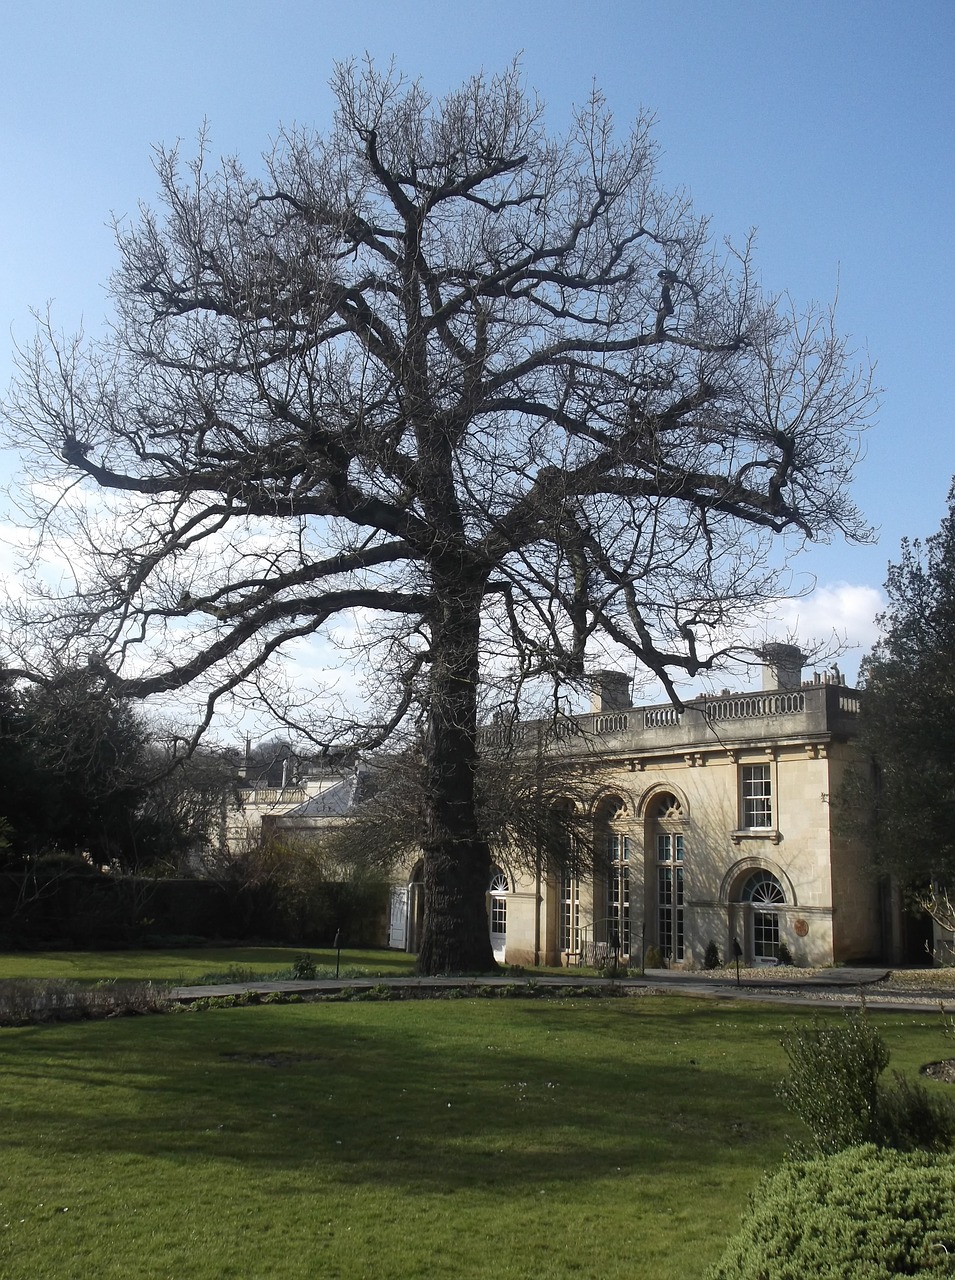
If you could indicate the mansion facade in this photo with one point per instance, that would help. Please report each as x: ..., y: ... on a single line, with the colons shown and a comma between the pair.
x: 716, y: 825
x: 710, y: 824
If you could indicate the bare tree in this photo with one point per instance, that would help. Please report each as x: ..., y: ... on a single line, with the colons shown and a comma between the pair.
x: 492, y: 389
x: 532, y: 808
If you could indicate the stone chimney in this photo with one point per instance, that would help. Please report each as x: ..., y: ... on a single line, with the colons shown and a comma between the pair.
x: 782, y: 666
x: 610, y: 691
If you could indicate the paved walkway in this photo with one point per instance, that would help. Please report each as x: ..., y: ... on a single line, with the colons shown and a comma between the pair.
x: 844, y: 988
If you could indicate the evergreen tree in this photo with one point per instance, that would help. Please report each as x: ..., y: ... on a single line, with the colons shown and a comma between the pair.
x: 903, y: 801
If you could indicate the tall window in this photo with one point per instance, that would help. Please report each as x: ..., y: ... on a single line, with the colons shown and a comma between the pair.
x: 669, y: 850
x: 765, y: 893
x: 670, y: 894
x: 618, y: 893
x: 757, y: 796
x: 568, y: 895
x: 568, y: 922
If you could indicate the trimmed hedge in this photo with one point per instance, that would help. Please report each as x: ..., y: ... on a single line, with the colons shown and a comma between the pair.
x: 87, y: 909
x: 865, y: 1213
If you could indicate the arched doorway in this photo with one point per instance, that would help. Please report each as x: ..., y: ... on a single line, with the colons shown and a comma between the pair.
x: 497, y: 913
x: 762, y: 895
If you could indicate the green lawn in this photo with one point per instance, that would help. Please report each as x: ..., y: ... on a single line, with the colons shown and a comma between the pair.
x: 454, y: 1138
x: 190, y: 964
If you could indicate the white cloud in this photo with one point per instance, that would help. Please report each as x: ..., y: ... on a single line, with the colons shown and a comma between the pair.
x: 844, y: 609
x: 836, y: 622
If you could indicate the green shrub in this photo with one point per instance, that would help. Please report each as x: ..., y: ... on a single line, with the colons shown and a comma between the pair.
x: 912, y: 1119
x: 303, y: 968
x: 864, y: 1213
x: 711, y: 956
x: 784, y: 955
x: 833, y: 1086
x: 833, y: 1080
x: 380, y: 991
x: 207, y: 1003
x: 652, y: 959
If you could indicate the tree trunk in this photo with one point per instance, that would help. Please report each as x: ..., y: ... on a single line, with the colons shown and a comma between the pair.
x: 457, y: 861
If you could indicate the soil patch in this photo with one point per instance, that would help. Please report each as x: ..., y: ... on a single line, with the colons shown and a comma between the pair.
x: 272, y: 1059
x: 943, y: 1071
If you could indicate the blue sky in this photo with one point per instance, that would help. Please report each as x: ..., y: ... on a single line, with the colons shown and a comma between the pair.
x: 826, y: 125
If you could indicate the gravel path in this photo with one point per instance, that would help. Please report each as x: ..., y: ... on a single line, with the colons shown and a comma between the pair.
x: 929, y: 989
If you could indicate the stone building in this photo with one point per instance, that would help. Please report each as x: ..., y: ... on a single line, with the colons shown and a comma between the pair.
x: 716, y: 824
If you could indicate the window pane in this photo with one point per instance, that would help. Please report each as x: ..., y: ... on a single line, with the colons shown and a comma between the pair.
x: 670, y: 895
x: 757, y: 796
x: 670, y: 912
x: 498, y: 915
x: 569, y: 919
x: 765, y: 935
x: 618, y: 908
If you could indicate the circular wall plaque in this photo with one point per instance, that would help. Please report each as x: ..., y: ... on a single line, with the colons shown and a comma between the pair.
x: 801, y: 928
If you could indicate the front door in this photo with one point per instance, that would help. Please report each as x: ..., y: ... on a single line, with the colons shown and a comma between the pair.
x: 763, y: 893
x: 497, y: 913
x: 398, y: 918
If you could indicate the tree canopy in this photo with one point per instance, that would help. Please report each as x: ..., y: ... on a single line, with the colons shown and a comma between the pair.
x: 531, y: 809
x: 476, y: 394
x: 84, y: 774
x: 903, y: 801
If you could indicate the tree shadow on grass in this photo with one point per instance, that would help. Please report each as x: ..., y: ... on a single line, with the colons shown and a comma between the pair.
x: 435, y: 1098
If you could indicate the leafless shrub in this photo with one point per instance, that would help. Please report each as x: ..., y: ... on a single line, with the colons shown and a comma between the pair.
x: 31, y: 1000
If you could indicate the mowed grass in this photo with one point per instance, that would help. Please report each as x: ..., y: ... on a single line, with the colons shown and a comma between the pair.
x: 454, y: 1138
x: 190, y: 964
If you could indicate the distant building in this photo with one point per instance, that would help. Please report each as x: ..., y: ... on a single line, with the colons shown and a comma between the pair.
x: 287, y: 786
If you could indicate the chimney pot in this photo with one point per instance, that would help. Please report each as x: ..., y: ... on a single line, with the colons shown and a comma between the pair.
x: 610, y: 691
x: 782, y: 666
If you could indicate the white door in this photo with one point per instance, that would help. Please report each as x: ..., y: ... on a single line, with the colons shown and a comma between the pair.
x: 498, y: 915
x: 398, y: 919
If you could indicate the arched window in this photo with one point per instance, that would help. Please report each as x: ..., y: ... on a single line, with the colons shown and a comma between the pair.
x: 764, y: 893
x: 668, y: 842
x: 616, y: 847
x: 415, y: 907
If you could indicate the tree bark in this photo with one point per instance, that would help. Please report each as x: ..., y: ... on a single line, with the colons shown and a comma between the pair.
x: 457, y: 861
